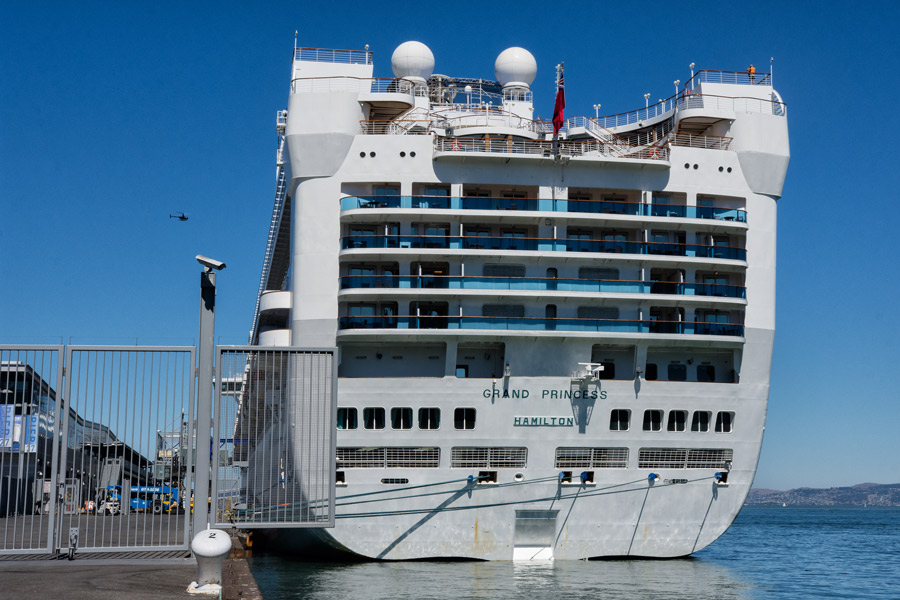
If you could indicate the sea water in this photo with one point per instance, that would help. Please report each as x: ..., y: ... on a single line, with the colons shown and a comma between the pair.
x: 769, y: 552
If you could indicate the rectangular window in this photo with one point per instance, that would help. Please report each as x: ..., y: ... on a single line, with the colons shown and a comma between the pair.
x: 503, y: 310
x: 588, y: 458
x: 462, y: 371
x: 677, y: 420
x: 724, y: 422
x: 429, y: 418
x: 401, y: 418
x: 501, y: 270
x: 618, y: 419
x: 706, y: 373
x: 700, y: 421
x: 346, y: 418
x: 464, y: 418
x: 608, y: 371
x: 488, y: 458
x: 373, y: 418
x: 652, y: 420
x: 598, y: 312
x: 652, y: 373
x: 677, y: 372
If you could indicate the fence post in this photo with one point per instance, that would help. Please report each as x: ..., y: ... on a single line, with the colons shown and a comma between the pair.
x: 204, y: 398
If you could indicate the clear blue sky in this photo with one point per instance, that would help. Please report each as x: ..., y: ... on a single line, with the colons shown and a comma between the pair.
x: 115, y: 114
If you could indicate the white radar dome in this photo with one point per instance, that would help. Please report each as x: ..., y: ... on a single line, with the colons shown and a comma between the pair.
x: 515, y: 67
x: 412, y: 60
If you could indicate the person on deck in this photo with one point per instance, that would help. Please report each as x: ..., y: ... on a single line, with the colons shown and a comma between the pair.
x: 751, y: 72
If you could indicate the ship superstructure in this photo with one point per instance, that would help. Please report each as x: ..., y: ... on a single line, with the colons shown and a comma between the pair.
x: 547, y: 350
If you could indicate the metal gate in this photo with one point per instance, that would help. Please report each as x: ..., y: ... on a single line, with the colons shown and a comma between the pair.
x: 99, y: 445
x: 29, y: 411
x: 274, y: 424
x: 127, y: 439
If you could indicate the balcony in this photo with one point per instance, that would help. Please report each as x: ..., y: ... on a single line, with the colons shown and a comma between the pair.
x: 540, y: 284
x: 543, y: 205
x: 356, y: 242
x: 539, y: 324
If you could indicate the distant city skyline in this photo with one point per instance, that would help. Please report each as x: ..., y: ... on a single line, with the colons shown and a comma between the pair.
x: 115, y: 116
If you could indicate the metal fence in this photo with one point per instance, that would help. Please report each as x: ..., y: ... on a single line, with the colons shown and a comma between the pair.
x: 274, y: 423
x: 99, y: 445
x: 127, y: 443
x: 29, y: 411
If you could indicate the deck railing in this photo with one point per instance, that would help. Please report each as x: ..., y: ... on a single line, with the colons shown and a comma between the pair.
x: 540, y: 284
x: 479, y: 242
x: 539, y: 324
x: 611, y: 207
x: 567, y: 148
x: 330, y: 55
x: 694, y: 140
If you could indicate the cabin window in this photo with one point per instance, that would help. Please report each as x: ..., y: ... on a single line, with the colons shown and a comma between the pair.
x: 677, y: 420
x: 401, y: 418
x: 700, y: 421
x: 724, y: 422
x: 706, y: 373
x: 677, y: 372
x: 373, y: 418
x: 464, y: 418
x: 652, y: 420
x: 429, y: 418
x: 346, y: 418
x: 652, y: 372
x: 618, y: 419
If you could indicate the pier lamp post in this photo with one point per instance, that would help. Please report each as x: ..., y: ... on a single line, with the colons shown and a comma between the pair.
x: 597, y: 111
x: 647, y: 100
x: 204, y: 388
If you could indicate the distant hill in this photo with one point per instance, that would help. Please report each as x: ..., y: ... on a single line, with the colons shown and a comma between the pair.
x: 863, y: 494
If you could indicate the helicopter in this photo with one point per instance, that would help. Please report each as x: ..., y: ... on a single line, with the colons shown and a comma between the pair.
x: 180, y: 216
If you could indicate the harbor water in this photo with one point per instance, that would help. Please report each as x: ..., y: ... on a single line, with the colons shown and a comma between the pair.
x: 769, y: 552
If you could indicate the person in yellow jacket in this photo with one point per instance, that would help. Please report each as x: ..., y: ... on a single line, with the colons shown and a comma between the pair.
x: 751, y: 72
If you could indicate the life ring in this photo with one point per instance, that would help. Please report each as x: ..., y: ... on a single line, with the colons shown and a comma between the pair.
x: 654, y: 154
x: 454, y: 145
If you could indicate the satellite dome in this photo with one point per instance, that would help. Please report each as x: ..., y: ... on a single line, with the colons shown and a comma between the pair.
x: 515, y: 67
x: 412, y: 60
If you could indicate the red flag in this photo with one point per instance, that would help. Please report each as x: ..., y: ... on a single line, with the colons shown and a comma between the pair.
x: 558, y: 119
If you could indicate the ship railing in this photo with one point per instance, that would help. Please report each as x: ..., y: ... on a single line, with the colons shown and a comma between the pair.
x: 569, y: 148
x: 486, y: 242
x: 357, y: 84
x: 610, y: 207
x: 539, y: 324
x: 331, y: 55
x: 396, y: 127
x: 540, y: 284
x: 731, y: 77
x: 493, y: 117
x: 733, y: 104
x: 694, y: 140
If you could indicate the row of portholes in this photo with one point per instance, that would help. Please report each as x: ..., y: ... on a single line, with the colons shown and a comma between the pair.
x: 696, y: 166
x: 402, y: 154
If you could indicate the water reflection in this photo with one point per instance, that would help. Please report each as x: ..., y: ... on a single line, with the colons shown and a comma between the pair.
x: 280, y: 577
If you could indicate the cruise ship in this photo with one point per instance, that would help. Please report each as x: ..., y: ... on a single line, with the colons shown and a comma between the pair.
x: 554, y: 336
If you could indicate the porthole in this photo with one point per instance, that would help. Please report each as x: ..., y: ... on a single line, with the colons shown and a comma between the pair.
x: 412, y: 154
x: 362, y: 154
x: 696, y: 166
x: 519, y: 477
x: 687, y: 165
x: 372, y: 154
x: 729, y: 169
x: 402, y: 154
x: 721, y: 169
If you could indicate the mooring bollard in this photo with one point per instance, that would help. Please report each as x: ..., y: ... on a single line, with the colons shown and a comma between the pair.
x: 210, y: 548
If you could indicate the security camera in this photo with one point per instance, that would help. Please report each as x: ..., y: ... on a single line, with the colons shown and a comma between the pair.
x: 210, y: 263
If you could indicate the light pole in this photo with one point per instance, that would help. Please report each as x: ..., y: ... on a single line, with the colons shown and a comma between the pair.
x: 647, y: 100
x: 204, y: 389
x: 676, y: 82
x: 597, y: 111
x: 692, y: 76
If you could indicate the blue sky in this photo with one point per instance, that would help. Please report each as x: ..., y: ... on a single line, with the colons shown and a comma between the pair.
x: 115, y: 114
